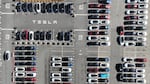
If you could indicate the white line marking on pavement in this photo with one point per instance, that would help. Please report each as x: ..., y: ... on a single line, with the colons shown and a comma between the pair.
x: 6, y: 29
x: 3, y: 13
x: 81, y: 14
x: 80, y: 30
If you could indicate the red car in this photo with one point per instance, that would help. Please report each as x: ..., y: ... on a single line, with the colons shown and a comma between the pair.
x: 92, y: 70
x: 131, y: 17
x: 30, y: 79
x: 104, y: 17
x: 30, y: 69
x: 140, y: 60
x: 99, y: 6
x: 130, y: 6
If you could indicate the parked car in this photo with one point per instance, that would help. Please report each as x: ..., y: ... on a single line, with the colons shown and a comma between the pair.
x: 140, y: 59
x: 7, y: 55
x: 95, y: 5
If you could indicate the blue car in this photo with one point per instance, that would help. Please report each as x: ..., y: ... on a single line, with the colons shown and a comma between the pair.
x: 104, y: 75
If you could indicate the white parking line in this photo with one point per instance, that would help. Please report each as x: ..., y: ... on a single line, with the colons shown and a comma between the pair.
x: 4, y: 13
x: 80, y: 30
x: 81, y: 14
x: 6, y: 29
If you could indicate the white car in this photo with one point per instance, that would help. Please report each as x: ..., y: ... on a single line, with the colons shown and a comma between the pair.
x: 142, y: 6
x: 127, y: 65
x: 57, y: 64
x: 19, y: 68
x: 140, y: 75
x: 141, y: 39
x: 7, y: 55
x: 104, y: 64
x: 104, y: 38
x: 142, y: 11
x: 105, y: 44
x: 141, y: 33
x: 142, y: 17
x: 93, y: 27
x: 131, y: 12
x: 56, y: 80
x: 56, y: 74
x: 92, y: 81
x: 37, y: 7
x: 143, y: 1
x: 129, y: 43
x: 92, y: 75
x: 31, y: 35
x: 140, y: 81
x: 141, y: 22
x: 139, y: 70
x: 66, y: 69
x: 93, y: 38
x: 56, y: 58
x: 127, y: 59
x: 131, y: 1
x: 19, y: 74
x: 99, y: 21
x: 30, y: 74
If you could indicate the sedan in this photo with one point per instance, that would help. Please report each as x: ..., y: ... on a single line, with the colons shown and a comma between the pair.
x: 140, y: 43
x: 140, y: 59
x: 99, y: 6
x: 142, y: 17
x: 142, y: 6
x: 130, y: 22
x: 131, y: 1
x: 131, y: 12
x: 143, y: 1
x: 7, y: 55
x: 141, y: 22
x: 131, y: 6
x: 98, y: 17
x: 103, y: 75
x: 99, y: 22
x: 95, y: 81
x: 98, y: 33
x: 92, y: 38
x: 127, y: 59
x: 102, y: 11
x: 93, y: 43
x: 92, y: 70
x: 142, y: 12
x: 131, y: 17
x: 104, y: 1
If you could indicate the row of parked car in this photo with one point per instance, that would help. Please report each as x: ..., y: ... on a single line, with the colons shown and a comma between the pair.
x: 42, y: 35
x: 135, y: 21
x: 99, y: 15
x: 132, y: 70
x: 25, y: 64
x: 44, y: 7
x: 97, y: 70
x: 65, y: 65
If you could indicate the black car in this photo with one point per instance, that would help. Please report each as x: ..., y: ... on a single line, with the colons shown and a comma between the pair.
x: 23, y: 35
x: 29, y: 48
x: 19, y: 79
x: 140, y: 28
x: 55, y: 8
x: 37, y: 35
x: 128, y: 75
x: 19, y: 58
x: 66, y: 59
x: 66, y: 64
x: 43, y: 7
x: 130, y: 38
x: 36, y: 8
x: 24, y: 7
x: 67, y: 36
x: 18, y: 7
x: 29, y: 53
x: 66, y: 79
x: 25, y: 58
x: 129, y: 33
x: 103, y: 27
x: 129, y: 70
x: 42, y: 35
x: 68, y: 8
x: 66, y: 74
x: 93, y: 17
x: 140, y: 44
x: 93, y: 64
x: 129, y: 80
x: 130, y: 17
x: 19, y: 53
x: 19, y: 63
x: 7, y: 55
x: 30, y: 7
x: 93, y: 43
x: 119, y: 67
x: 140, y: 64
x: 103, y: 80
x: 18, y: 35
x: 129, y: 28
x: 48, y: 35
x: 60, y: 36
x: 104, y: 69
x: 62, y: 8
x: 130, y: 22
x: 49, y: 7
x: 92, y: 59
x: 104, y: 1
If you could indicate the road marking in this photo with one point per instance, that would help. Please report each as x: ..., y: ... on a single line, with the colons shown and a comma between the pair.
x: 6, y: 29
x: 7, y: 5
x: 7, y: 36
x: 81, y: 14
x: 3, y: 13
x: 81, y: 7
x: 80, y: 30
x: 80, y: 37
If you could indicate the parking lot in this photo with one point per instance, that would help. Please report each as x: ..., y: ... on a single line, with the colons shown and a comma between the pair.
x: 60, y: 46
